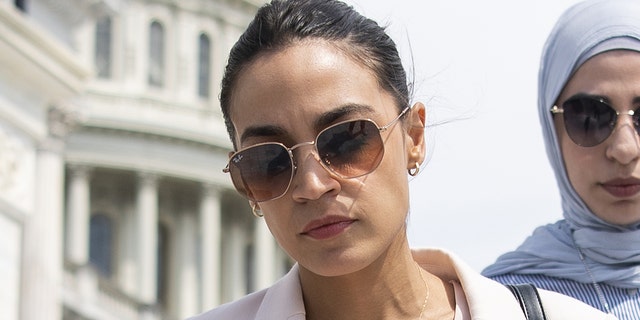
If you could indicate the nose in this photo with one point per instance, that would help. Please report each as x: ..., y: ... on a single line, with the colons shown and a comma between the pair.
x: 624, y: 143
x: 312, y: 180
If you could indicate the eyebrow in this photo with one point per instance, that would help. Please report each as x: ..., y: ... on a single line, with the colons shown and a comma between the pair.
x: 341, y: 112
x: 322, y: 122
x: 261, y: 131
x: 636, y: 100
x: 580, y: 95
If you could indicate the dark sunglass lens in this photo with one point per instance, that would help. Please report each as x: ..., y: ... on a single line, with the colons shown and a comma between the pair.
x: 636, y: 119
x: 262, y: 172
x: 588, y: 121
x: 351, y: 149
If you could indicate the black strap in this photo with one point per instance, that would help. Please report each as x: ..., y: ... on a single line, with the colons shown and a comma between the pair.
x: 529, y: 300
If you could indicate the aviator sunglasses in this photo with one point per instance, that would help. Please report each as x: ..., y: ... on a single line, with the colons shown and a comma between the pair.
x: 590, y: 120
x: 348, y: 149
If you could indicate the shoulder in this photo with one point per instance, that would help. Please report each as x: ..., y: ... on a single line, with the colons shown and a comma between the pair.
x: 243, y: 309
x: 488, y: 299
x: 581, y: 291
x: 559, y: 306
x: 542, y: 281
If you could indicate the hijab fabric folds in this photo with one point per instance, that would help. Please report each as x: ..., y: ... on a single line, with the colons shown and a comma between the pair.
x: 612, y: 252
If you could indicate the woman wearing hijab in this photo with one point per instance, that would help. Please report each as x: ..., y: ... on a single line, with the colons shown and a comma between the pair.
x: 589, y: 106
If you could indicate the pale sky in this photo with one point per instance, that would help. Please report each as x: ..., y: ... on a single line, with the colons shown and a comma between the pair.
x: 488, y: 183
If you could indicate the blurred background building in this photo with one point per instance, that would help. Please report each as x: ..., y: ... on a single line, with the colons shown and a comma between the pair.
x: 113, y: 204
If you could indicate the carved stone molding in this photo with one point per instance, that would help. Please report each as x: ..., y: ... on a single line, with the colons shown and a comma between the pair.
x: 148, y: 179
x: 61, y: 119
x: 80, y: 170
x: 10, y: 154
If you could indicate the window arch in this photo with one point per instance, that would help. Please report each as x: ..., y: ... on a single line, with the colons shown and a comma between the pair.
x: 156, y: 54
x: 103, y: 39
x: 21, y: 4
x: 101, y: 243
x: 204, y: 65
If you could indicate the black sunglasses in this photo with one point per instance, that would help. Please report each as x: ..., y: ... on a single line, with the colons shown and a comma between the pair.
x: 348, y: 149
x: 590, y: 120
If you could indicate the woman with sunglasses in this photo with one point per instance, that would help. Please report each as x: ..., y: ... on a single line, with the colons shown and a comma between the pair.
x: 316, y: 102
x: 589, y: 105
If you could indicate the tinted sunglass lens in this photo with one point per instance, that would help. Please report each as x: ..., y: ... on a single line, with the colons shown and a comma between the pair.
x: 636, y: 119
x: 588, y: 121
x: 351, y: 149
x: 262, y: 172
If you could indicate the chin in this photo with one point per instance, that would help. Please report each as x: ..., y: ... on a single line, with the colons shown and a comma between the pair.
x: 334, y: 267
x: 624, y: 216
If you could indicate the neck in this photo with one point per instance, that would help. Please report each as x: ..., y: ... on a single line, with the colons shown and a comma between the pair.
x: 389, y: 288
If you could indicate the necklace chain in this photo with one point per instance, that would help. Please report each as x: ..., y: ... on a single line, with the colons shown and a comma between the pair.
x: 426, y: 287
x: 599, y: 292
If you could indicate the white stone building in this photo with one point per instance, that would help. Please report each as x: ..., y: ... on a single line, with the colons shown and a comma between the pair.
x: 113, y: 204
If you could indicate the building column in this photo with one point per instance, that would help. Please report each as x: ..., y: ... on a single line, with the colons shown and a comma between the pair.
x: 210, y: 222
x: 235, y: 279
x: 42, y: 255
x: 186, y: 299
x: 264, y: 255
x: 147, y: 227
x: 42, y: 266
x: 78, y: 211
x: 127, y: 257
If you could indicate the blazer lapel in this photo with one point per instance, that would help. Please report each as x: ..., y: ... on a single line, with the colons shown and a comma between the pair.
x: 283, y: 300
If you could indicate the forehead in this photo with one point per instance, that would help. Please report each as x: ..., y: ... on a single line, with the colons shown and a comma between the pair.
x: 302, y: 82
x: 611, y: 72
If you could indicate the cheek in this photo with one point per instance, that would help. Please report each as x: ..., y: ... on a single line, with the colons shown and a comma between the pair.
x: 579, y: 163
x: 278, y: 223
x: 570, y: 157
x: 391, y: 183
x: 284, y: 236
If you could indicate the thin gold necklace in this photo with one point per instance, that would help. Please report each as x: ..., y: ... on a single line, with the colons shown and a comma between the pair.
x: 426, y: 287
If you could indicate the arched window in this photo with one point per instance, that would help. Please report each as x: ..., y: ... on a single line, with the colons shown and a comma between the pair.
x: 101, y: 243
x: 156, y: 55
x: 21, y: 4
x: 204, y: 66
x: 103, y: 47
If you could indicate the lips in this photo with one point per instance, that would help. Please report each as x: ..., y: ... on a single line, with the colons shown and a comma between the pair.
x: 622, y: 188
x: 327, y: 227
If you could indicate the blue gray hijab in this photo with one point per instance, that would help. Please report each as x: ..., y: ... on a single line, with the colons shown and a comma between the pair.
x: 612, y: 252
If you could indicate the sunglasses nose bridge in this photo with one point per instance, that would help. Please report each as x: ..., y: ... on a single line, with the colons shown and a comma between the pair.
x: 299, y: 145
x: 292, y: 154
x: 314, y: 153
x: 620, y: 119
x: 627, y: 127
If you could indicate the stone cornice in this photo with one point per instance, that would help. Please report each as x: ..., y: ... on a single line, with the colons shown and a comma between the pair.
x: 27, y: 42
x: 200, y: 124
x: 235, y: 12
x: 149, y: 135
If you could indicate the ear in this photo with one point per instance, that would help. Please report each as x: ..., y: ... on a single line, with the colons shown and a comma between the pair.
x: 416, y: 147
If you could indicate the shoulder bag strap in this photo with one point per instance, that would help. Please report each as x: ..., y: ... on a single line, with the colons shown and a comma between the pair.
x: 529, y: 300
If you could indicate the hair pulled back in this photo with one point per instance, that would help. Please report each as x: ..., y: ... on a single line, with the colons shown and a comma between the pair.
x: 282, y: 23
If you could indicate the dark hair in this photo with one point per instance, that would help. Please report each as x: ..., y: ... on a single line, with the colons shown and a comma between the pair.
x: 283, y: 22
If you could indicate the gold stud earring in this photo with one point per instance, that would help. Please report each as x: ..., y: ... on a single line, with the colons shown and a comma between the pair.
x: 414, y: 171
